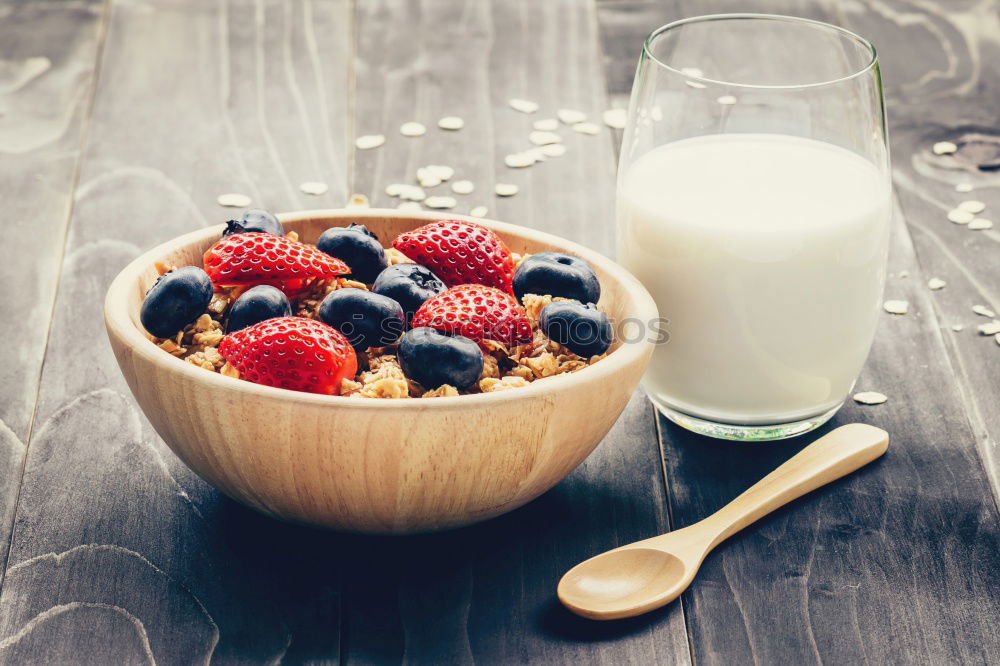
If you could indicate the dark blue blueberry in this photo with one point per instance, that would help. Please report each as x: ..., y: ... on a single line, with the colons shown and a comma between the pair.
x: 409, y: 284
x: 255, y: 219
x: 358, y: 248
x: 557, y: 274
x: 255, y: 305
x: 175, y: 300
x: 583, y: 329
x: 434, y: 358
x: 366, y: 319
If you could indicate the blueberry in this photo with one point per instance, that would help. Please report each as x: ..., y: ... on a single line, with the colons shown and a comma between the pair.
x: 255, y: 219
x: 366, y: 319
x: 583, y: 329
x: 175, y: 300
x: 409, y: 284
x: 557, y: 274
x: 358, y: 248
x: 434, y: 358
x: 255, y: 305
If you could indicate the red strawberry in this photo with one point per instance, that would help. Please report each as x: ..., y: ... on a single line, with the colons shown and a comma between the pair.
x: 293, y: 353
x: 477, y: 312
x: 459, y: 253
x: 250, y: 259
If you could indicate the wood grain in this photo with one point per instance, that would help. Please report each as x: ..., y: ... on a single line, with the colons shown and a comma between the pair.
x: 894, y: 564
x: 119, y: 551
x: 47, y: 57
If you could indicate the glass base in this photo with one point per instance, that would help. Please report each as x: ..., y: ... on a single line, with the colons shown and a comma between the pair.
x: 745, y: 433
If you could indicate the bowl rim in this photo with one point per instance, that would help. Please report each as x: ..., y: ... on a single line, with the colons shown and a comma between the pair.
x: 121, y: 326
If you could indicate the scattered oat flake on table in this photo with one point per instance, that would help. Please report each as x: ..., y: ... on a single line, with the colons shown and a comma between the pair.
x: 692, y: 71
x: 957, y: 327
x: 944, y: 148
x: 505, y: 189
x: 440, y: 202
x: 406, y: 192
x: 439, y: 170
x: 314, y: 187
x: 615, y: 118
x: 546, y: 125
x: 553, y: 150
x: 234, y: 200
x: 991, y: 328
x: 980, y: 223
x: 358, y: 201
x: 369, y: 141
x: 519, y: 160
x: 451, y: 123
x: 587, y: 128
x: 571, y: 116
x: 541, y: 138
x: 479, y: 211
x: 973, y: 206
x: 523, y: 105
x: 726, y: 100
x: 537, y: 153
x: 462, y: 187
x: 896, y: 307
x: 936, y: 283
x: 395, y: 189
x: 412, y: 129
x: 963, y: 187
x: 870, y: 398
x: 959, y: 216
x: 983, y: 311
x: 428, y: 180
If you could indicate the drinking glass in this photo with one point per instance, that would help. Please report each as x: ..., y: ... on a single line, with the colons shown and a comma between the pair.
x: 754, y: 204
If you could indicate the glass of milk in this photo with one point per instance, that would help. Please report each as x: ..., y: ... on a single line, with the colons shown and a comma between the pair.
x: 754, y: 204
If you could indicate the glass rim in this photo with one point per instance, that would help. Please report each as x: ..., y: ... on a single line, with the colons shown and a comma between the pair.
x: 844, y: 32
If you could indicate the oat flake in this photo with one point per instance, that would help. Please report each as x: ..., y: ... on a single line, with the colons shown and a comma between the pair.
x: 963, y: 187
x: 505, y: 189
x: 957, y: 327
x: 462, y: 187
x: 540, y: 138
x: 959, y: 216
x: 973, y: 206
x: 979, y: 223
x: 519, y: 160
x: 358, y: 201
x: 992, y: 328
x: 587, y: 128
x: 936, y: 283
x: 439, y: 170
x: 412, y: 129
x: 451, y: 123
x: 314, y: 187
x: 234, y: 200
x: 726, y: 100
x: 553, y: 150
x: 369, y: 141
x: 896, y: 307
x: 479, y: 211
x: 944, y: 148
x: 870, y: 398
x: 523, y: 105
x: 440, y: 202
x: 571, y: 116
x: 615, y: 118
x: 983, y: 311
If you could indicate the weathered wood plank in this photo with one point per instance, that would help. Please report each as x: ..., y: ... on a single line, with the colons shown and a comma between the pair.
x: 941, y: 87
x: 896, y: 563
x: 119, y: 553
x: 47, y: 57
x: 486, y: 594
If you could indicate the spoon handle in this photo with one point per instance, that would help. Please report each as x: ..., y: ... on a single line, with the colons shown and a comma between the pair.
x: 830, y: 457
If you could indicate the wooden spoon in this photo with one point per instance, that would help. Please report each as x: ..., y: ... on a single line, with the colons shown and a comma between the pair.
x: 644, y: 575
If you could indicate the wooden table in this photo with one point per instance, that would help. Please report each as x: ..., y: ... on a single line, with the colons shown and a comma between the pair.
x: 122, y: 121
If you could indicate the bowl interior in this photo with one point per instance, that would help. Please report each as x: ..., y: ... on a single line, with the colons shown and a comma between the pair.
x: 623, y: 298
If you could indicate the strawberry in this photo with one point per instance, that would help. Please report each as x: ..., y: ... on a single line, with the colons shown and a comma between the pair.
x: 459, y: 253
x: 250, y: 259
x: 293, y: 353
x: 477, y: 312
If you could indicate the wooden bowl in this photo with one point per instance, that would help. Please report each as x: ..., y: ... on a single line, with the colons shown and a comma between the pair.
x: 385, y: 466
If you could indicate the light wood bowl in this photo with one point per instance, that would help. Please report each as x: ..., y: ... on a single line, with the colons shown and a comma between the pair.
x: 391, y: 466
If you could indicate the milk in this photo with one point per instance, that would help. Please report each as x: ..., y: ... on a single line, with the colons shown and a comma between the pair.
x: 766, y: 253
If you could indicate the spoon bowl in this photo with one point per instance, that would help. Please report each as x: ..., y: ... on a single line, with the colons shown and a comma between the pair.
x: 619, y: 581
x: 639, y: 577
